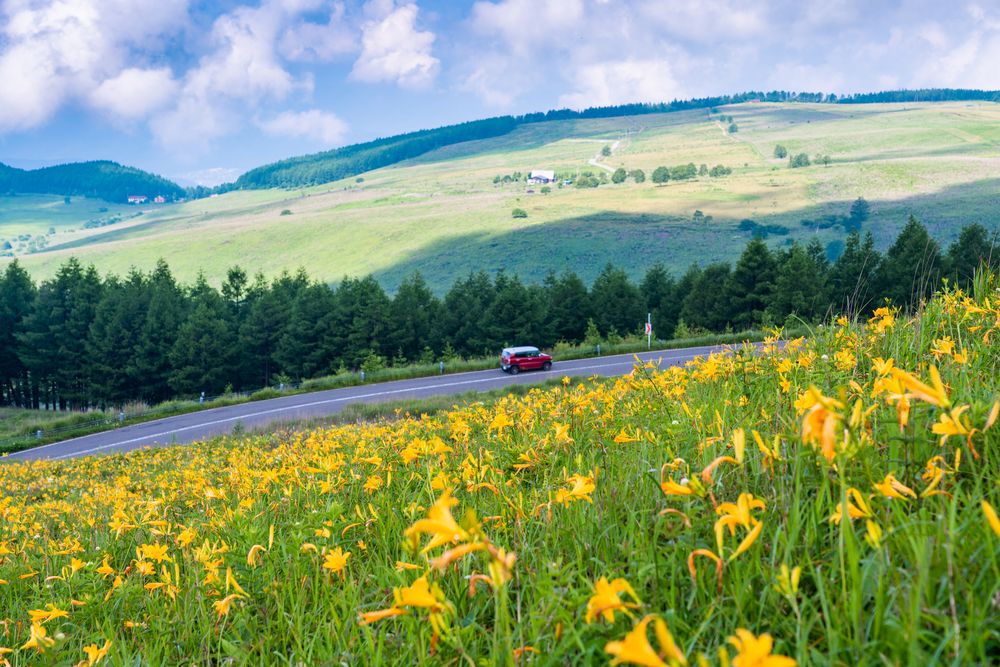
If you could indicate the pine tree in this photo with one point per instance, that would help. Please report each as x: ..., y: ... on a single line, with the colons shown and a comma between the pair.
x: 413, y: 315
x: 912, y: 266
x: 17, y: 297
x: 751, y: 284
x: 706, y: 305
x: 166, y: 311
x: 658, y: 289
x: 204, y: 353
x: 514, y: 317
x: 114, y: 340
x: 616, y: 304
x: 799, y: 287
x: 465, y: 309
x: 304, y: 350
x: 268, y: 318
x: 853, y: 277
x: 568, y: 306
x: 973, y: 247
x: 53, y: 341
x: 359, y: 323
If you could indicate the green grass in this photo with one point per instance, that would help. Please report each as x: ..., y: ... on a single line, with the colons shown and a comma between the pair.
x: 19, y: 428
x: 414, y: 408
x: 441, y: 214
x: 226, y: 552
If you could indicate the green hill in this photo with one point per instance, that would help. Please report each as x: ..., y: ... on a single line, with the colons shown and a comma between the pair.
x: 101, y: 179
x: 449, y: 210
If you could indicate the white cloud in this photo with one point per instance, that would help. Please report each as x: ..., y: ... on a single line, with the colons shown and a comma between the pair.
x: 525, y: 25
x: 604, y: 84
x: 705, y: 21
x: 209, y: 177
x: 393, y: 49
x: 135, y: 93
x: 54, y: 51
x: 306, y: 41
x: 241, y: 70
x: 319, y: 126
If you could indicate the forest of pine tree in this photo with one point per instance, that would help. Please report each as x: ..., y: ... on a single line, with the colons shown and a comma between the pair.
x: 79, y: 340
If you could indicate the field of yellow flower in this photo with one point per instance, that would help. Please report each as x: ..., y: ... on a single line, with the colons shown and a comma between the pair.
x: 825, y: 501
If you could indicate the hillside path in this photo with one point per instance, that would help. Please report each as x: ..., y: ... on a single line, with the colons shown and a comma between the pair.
x: 595, y: 161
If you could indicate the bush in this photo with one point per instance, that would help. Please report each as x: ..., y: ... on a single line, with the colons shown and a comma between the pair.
x: 800, y: 160
x: 661, y: 175
x: 519, y: 213
x: 286, y: 212
x: 780, y: 152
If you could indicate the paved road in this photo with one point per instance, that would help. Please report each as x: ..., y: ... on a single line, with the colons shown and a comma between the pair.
x: 219, y: 421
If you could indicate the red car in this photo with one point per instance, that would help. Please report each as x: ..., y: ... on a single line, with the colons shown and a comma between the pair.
x: 513, y: 360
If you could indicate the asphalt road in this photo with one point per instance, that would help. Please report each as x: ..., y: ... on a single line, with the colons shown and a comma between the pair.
x: 194, y: 426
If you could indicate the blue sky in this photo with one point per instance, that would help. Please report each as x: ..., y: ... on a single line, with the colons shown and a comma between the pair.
x: 203, y: 90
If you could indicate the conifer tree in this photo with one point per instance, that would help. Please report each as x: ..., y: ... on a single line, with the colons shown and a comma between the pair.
x: 203, y: 354
x: 751, y: 284
x: 912, y: 266
x: 568, y: 306
x: 17, y: 297
x: 616, y: 303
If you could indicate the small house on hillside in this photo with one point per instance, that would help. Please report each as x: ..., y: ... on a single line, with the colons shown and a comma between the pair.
x: 160, y: 199
x: 137, y: 199
x: 541, y: 176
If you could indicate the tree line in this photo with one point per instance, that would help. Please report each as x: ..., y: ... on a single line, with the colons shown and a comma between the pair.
x: 100, y: 179
x: 358, y: 158
x: 79, y: 340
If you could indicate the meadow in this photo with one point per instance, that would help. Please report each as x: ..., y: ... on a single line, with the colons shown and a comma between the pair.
x: 829, y: 500
x: 442, y: 215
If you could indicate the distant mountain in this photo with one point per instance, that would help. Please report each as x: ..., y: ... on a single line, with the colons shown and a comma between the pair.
x: 99, y: 179
x: 358, y: 158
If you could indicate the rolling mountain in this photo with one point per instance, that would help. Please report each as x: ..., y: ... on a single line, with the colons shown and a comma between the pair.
x: 100, y: 179
x: 356, y: 159
x: 451, y: 209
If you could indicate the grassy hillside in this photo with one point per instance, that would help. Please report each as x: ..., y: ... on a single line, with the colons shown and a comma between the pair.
x: 103, y: 179
x: 832, y: 501
x: 441, y: 214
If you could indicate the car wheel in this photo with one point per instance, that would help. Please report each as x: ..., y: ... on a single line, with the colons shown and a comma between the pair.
x: 514, y: 370
x: 547, y: 366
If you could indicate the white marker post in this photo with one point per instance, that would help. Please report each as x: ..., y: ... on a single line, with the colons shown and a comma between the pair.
x: 649, y: 331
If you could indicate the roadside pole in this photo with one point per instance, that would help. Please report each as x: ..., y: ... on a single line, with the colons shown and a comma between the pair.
x: 649, y: 331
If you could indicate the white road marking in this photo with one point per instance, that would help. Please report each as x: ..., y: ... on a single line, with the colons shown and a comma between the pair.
x: 622, y: 359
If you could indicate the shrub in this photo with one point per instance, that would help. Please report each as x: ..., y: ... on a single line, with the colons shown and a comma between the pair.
x: 519, y: 213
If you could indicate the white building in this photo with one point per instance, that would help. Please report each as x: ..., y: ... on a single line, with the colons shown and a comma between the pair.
x: 542, y: 176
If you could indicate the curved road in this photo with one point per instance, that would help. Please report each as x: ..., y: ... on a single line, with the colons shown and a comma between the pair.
x: 193, y: 426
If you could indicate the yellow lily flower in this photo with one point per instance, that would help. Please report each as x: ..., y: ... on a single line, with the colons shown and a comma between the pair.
x: 223, y: 606
x: 950, y: 423
x: 991, y: 517
x: 755, y: 651
x: 439, y: 524
x: 935, y: 395
x: 94, y: 654
x: 890, y: 487
x: 635, y: 648
x: 607, y: 598
x: 39, y: 639
x: 336, y: 561
x: 857, y: 507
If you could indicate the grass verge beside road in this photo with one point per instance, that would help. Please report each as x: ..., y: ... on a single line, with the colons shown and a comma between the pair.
x: 24, y: 429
